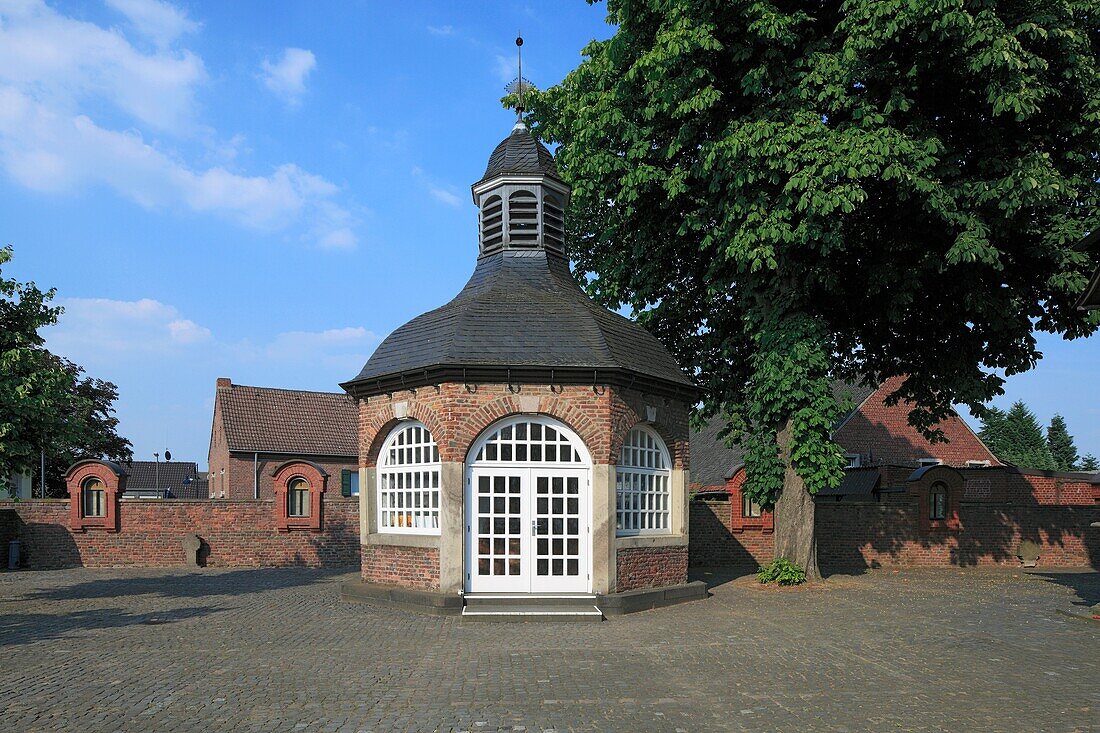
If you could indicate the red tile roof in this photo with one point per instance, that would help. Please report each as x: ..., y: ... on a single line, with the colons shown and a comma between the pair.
x: 268, y: 420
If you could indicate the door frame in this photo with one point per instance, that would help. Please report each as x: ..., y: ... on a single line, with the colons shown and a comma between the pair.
x: 527, y: 469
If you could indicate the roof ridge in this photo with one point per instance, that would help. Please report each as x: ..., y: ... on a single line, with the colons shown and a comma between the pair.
x: 286, y: 389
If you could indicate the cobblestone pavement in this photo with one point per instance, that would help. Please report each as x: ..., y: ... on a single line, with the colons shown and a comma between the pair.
x: 276, y: 650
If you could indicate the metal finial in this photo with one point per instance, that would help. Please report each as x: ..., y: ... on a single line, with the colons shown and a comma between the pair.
x: 518, y: 85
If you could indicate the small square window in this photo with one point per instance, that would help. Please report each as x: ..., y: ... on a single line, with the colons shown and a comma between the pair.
x: 929, y: 462
x: 854, y: 460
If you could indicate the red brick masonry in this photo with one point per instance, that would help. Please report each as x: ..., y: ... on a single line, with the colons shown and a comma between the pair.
x: 410, y: 567
x: 650, y: 567
x: 998, y: 509
x: 233, y: 533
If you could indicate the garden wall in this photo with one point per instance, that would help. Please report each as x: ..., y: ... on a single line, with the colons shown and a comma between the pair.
x: 999, y: 508
x: 150, y: 534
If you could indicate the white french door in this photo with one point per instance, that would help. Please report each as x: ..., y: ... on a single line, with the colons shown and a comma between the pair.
x: 528, y: 530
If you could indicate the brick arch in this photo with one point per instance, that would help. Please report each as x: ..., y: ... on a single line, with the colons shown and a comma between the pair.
x: 316, y: 478
x: 587, y: 429
x: 113, y: 478
x: 382, y: 423
x: 920, y: 485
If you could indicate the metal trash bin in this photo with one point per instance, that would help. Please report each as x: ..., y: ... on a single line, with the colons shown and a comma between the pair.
x: 13, y: 555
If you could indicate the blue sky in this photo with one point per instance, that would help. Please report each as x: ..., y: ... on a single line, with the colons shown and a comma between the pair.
x: 264, y: 190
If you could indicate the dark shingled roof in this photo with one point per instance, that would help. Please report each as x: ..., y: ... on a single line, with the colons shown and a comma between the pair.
x: 856, y: 482
x: 267, y: 420
x: 522, y: 309
x: 521, y: 153
x: 174, y: 477
x: 712, y: 462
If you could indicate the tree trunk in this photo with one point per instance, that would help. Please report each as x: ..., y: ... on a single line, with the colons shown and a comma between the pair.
x: 795, y: 532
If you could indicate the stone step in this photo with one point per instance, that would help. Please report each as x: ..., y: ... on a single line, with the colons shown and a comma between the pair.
x: 475, y: 601
x: 532, y: 610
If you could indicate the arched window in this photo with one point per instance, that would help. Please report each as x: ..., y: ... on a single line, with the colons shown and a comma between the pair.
x: 937, y: 501
x: 553, y: 222
x: 642, y: 484
x: 529, y: 441
x: 94, y: 497
x: 523, y: 219
x: 492, y: 224
x: 408, y: 481
x: 297, y: 497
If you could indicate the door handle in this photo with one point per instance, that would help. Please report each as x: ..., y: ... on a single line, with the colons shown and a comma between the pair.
x: 534, y: 527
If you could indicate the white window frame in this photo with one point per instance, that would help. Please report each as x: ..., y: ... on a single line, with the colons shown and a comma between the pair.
x: 407, y: 493
x: 977, y: 464
x: 93, y: 497
x: 924, y: 462
x: 750, y: 509
x: 643, y: 476
x: 297, y: 485
x: 855, y: 460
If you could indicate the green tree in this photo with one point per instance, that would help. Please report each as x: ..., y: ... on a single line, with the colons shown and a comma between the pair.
x: 1022, y: 442
x: 1063, y: 451
x: 46, y: 402
x: 1090, y: 463
x: 787, y: 193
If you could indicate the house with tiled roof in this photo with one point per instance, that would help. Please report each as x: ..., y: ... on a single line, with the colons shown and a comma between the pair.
x: 164, y: 480
x: 256, y: 430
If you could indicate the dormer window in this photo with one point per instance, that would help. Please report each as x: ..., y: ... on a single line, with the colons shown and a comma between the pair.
x: 523, y: 219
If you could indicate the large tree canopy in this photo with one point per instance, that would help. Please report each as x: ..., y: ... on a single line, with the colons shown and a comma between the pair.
x: 46, y: 402
x: 789, y: 192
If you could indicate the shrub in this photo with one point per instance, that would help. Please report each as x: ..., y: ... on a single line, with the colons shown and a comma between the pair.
x: 781, y: 571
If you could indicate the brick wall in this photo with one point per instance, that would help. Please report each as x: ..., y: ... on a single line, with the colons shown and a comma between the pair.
x: 882, y: 434
x: 456, y: 416
x: 234, y: 534
x: 866, y: 534
x: 650, y: 567
x: 712, y: 541
x: 999, y: 508
x: 410, y: 567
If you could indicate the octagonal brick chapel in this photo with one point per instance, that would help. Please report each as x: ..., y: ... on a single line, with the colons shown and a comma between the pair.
x: 522, y: 439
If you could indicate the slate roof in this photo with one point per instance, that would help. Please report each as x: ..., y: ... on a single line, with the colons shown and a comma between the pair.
x: 174, y: 477
x: 522, y: 309
x: 856, y: 482
x: 520, y: 152
x: 268, y: 420
x: 712, y: 462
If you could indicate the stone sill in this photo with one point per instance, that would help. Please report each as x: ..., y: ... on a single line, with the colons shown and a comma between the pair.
x: 663, y: 540
x: 403, y: 540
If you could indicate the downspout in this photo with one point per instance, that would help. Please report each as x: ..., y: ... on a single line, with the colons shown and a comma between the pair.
x: 255, y: 475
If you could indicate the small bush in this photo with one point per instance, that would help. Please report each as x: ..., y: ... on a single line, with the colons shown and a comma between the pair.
x: 782, y: 571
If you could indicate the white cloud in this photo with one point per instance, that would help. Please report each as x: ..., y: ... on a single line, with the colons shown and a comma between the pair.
x: 504, y: 68
x: 65, y: 63
x: 287, y: 76
x: 441, y: 30
x: 160, y: 22
x: 102, y: 330
x: 443, y: 193
x: 57, y: 72
x: 444, y: 196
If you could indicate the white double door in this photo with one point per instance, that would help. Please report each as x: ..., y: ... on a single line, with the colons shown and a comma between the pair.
x: 528, y: 530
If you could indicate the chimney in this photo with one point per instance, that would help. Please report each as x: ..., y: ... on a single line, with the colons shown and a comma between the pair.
x: 224, y: 382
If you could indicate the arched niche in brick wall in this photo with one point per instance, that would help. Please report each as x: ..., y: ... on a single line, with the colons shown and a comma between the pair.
x: 94, y: 489
x: 743, y: 515
x: 940, y: 478
x: 290, y: 514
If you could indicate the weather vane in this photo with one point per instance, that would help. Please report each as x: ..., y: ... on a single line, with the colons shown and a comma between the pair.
x: 518, y: 85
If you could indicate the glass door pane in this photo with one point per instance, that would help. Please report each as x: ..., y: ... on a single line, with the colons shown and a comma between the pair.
x: 561, y: 541
x: 496, y: 538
